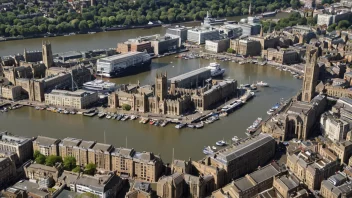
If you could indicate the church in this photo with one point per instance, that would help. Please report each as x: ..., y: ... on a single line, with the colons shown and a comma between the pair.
x: 298, y: 117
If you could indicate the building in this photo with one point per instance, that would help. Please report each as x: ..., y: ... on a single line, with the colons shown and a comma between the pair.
x: 44, y: 175
x: 251, y: 184
x: 217, y: 46
x: 283, y: 56
x: 99, y: 155
x: 20, y: 145
x: 46, y: 146
x: 171, y: 186
x: 140, y: 189
x: 47, y: 54
x: 67, y: 145
x: 79, y: 99
x: 218, y: 174
x: 243, y: 157
x: 198, y: 186
x: 311, y: 74
x: 246, y: 47
x: 122, y: 162
x: 105, y: 186
x: 80, y: 152
x: 343, y: 150
x: 134, y: 45
x: 25, y: 188
x: 325, y: 19
x: 199, y: 36
x: 147, y: 166
x: 336, y: 186
x: 10, y: 92
x: 334, y: 128
x: 286, y: 185
x: 7, y: 171
x: 166, y: 44
x: 190, y: 79
x: 178, y: 31
x: 32, y: 56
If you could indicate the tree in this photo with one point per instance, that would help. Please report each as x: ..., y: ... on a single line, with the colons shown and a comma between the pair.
x: 230, y: 50
x: 77, y: 169
x: 69, y: 163
x: 40, y: 159
x: 83, y: 25
x: 90, y: 169
x: 52, y: 160
x: 36, y: 154
x: 126, y: 107
x: 343, y: 24
x: 52, y: 28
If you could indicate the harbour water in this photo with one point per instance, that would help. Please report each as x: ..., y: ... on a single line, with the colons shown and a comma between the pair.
x: 186, y: 142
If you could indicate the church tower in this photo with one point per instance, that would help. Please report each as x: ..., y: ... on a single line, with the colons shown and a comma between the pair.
x: 47, y: 54
x: 311, y: 74
x: 161, y: 86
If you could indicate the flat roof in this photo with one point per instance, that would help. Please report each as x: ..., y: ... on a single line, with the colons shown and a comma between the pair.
x: 111, y: 58
x: 77, y: 93
x: 236, y: 150
x: 189, y: 74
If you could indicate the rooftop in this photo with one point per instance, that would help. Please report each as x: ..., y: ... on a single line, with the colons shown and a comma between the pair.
x: 77, y: 93
x: 42, y: 167
x: 239, y: 149
x: 70, y: 142
x: 13, y: 139
x: 102, y: 147
x: 46, y: 141
x: 189, y: 74
x: 118, y: 56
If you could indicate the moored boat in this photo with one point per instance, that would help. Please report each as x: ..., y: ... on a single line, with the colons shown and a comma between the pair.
x: 220, y: 143
x: 180, y: 126
x: 165, y: 122
x: 101, y: 114
x: 235, y: 138
x: 207, y: 150
x: 200, y: 125
x: 262, y: 84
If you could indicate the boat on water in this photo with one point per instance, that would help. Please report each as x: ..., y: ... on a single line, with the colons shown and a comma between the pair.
x: 101, y: 114
x: 125, y: 117
x: 262, y: 84
x: 108, y: 116
x: 91, y: 32
x: 284, y: 69
x: 213, y: 148
x: 151, y: 122
x: 216, y: 70
x: 180, y: 126
x: 133, y: 117
x: 66, y: 112
x: 212, y: 119
x: 253, y: 87
x: 241, y: 62
x: 100, y: 86
x: 270, y: 111
x: 73, y: 112
x: 245, y: 85
x: 165, y: 122
x: 220, y: 143
x: 247, y: 96
x: 157, y: 123
x: 114, y: 116
x: 207, y: 150
x: 200, y: 125
x: 90, y: 114
x: 223, y: 114
x: 119, y: 117
x: 235, y: 138
x: 263, y: 63
x: 190, y: 126
x: 255, y: 125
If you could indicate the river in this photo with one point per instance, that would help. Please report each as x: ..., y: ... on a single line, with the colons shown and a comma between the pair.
x: 186, y: 142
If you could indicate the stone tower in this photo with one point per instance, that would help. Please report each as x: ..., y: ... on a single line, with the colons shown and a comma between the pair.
x: 161, y: 86
x: 311, y: 74
x: 47, y: 54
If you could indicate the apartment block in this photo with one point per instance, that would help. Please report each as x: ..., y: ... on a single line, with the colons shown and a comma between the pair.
x: 46, y: 145
x: 80, y: 152
x: 20, y: 145
x: 99, y: 155
x: 67, y: 145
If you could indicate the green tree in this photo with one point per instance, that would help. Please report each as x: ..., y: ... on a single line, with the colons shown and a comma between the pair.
x: 36, y: 154
x: 42, y: 28
x: 90, y: 169
x: 83, y: 25
x: 126, y: 107
x: 343, y: 24
x: 52, y: 28
x: 230, y: 50
x: 69, y: 163
x: 295, y: 4
x: 40, y: 159
x: 77, y: 169
x: 52, y: 160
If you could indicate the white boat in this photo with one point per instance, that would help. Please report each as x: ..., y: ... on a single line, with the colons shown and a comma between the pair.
x: 262, y: 84
x: 270, y: 111
x: 126, y: 117
x: 66, y: 112
x: 213, y: 147
x: 207, y: 150
x: 235, y: 138
x: 108, y: 116
x: 248, y: 95
x: 180, y: 126
x: 241, y: 62
x: 164, y: 123
x: 100, y: 86
x: 133, y: 117
x: 215, y: 69
x: 220, y: 143
x: 200, y: 125
x: 254, y: 126
x: 223, y: 114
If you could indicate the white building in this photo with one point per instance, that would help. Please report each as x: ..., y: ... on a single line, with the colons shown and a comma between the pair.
x: 217, y: 45
x: 334, y: 128
x: 79, y: 99
x: 325, y: 19
x: 200, y: 35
